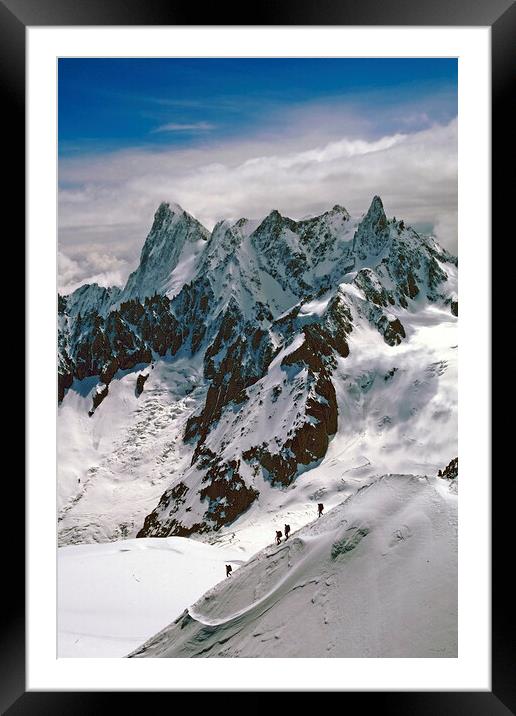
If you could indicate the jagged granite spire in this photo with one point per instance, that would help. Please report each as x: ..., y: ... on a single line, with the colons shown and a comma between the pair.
x: 373, y: 233
x: 174, y: 232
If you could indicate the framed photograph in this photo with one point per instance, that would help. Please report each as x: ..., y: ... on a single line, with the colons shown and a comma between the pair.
x: 248, y: 381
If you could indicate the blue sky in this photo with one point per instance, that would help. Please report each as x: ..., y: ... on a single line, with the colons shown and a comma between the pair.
x: 107, y: 104
x: 227, y: 138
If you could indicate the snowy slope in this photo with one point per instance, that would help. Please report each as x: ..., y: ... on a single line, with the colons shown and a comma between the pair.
x: 113, y: 466
x: 375, y: 577
x: 111, y: 597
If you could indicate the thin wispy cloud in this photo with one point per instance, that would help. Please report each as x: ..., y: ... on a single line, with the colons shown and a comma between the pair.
x: 185, y: 127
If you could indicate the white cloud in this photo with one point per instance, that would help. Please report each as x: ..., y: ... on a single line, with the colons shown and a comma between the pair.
x: 92, y: 266
x: 108, y: 201
x: 68, y: 270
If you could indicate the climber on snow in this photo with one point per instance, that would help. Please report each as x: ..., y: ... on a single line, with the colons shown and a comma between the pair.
x: 229, y: 569
x: 287, y: 531
x: 278, y: 536
x: 320, y: 508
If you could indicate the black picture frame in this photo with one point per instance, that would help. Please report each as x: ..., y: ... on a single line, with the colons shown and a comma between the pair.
x: 500, y: 15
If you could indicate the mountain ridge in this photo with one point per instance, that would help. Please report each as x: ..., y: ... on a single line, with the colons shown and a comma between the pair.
x: 272, y: 308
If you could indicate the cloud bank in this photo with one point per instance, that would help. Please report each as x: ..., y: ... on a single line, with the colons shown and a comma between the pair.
x: 107, y: 201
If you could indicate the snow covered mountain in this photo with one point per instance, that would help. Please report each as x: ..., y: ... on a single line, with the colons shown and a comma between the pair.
x: 250, y: 371
x: 168, y: 255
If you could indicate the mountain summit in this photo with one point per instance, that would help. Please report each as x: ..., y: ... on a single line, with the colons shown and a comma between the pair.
x: 174, y: 240
x: 233, y: 360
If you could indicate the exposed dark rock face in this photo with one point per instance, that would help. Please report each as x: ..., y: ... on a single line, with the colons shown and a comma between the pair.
x: 64, y: 381
x: 392, y: 330
x: 172, y: 500
x: 308, y: 443
x: 309, y: 440
x: 454, y: 305
x: 61, y: 304
x: 98, y: 397
x: 451, y: 471
x: 93, y: 345
x: 237, y: 358
x: 191, y: 307
x: 224, y: 494
x: 140, y: 382
x: 373, y: 290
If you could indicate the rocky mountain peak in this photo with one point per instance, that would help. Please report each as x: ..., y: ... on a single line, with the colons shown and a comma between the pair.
x: 373, y: 233
x: 338, y: 209
x: 376, y: 206
x: 375, y: 218
x: 173, y: 231
x: 276, y: 221
x: 165, y: 212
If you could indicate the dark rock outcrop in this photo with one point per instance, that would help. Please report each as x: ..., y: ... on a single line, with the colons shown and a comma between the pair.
x: 126, y: 337
x: 98, y: 397
x: 64, y: 381
x: 237, y: 358
x: 392, y: 330
x: 224, y: 494
x: 451, y: 471
x: 140, y: 382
